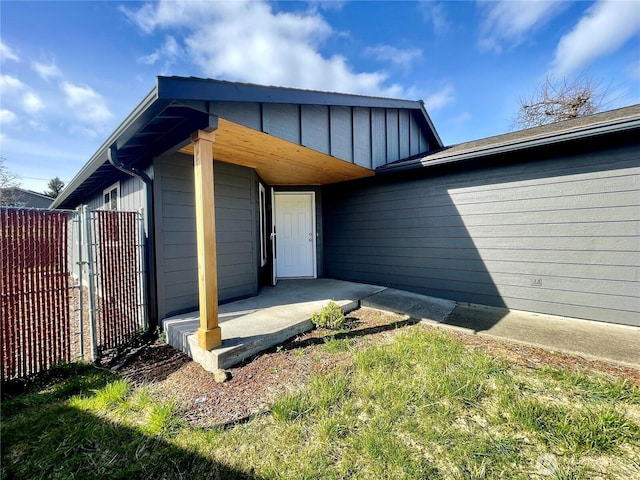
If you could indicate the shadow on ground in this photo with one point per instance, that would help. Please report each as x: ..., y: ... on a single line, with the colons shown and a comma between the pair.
x: 44, y: 436
x: 476, y: 319
x: 352, y: 332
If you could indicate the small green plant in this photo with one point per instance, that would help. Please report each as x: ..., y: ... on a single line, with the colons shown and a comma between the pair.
x: 330, y: 316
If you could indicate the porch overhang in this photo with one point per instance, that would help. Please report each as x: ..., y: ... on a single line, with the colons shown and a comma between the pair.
x: 178, y: 106
x: 277, y: 161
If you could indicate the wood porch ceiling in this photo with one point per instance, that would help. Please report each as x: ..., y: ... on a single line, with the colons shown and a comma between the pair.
x: 277, y: 161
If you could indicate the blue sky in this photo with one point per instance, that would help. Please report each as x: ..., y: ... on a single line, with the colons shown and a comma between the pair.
x: 70, y: 72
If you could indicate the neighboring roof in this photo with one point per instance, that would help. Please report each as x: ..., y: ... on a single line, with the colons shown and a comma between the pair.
x: 178, y: 106
x: 606, y: 122
x: 28, y: 198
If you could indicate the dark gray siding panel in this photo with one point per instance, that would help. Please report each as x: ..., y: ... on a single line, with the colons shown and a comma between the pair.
x: 378, y: 137
x: 404, y: 133
x: 247, y: 114
x: 282, y: 121
x: 557, y: 235
x: 416, y: 140
x: 362, y: 137
x: 177, y: 263
x: 341, y: 136
x: 315, y: 127
x: 393, y: 141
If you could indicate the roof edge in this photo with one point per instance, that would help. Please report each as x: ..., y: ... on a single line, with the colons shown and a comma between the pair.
x: 100, y: 156
x: 195, y: 88
x: 432, y: 127
x: 619, y: 125
x: 31, y: 192
x: 223, y: 90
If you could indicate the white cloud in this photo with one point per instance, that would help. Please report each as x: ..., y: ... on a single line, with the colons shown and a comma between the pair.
x: 150, y: 59
x: 7, y: 116
x: 83, y: 131
x: 506, y: 23
x: 433, y: 13
x: 604, y: 28
x: 20, y: 94
x: 403, y: 58
x: 248, y: 41
x: 169, y: 52
x: 6, y: 53
x: 437, y: 100
x: 32, y: 102
x: 10, y: 84
x: 89, y: 108
x: 47, y: 72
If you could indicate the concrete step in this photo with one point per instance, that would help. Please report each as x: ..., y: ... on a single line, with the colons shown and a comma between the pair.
x: 256, y: 324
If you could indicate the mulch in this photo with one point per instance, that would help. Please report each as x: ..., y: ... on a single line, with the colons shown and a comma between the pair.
x: 257, y: 381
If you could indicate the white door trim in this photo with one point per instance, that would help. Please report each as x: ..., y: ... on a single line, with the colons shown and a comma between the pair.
x: 314, y: 235
x: 274, y: 239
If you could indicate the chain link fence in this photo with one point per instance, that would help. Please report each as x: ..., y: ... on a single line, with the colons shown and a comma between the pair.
x: 72, y: 286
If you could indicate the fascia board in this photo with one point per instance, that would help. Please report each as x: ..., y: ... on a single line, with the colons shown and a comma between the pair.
x: 514, y: 147
x: 182, y: 88
x: 120, y: 136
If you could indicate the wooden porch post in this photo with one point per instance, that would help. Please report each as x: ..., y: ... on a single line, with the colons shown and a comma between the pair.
x: 209, y: 334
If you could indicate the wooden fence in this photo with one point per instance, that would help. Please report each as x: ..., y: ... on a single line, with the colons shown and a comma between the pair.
x: 69, y: 280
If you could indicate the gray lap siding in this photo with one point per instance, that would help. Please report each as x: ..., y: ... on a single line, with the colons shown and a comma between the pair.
x: 554, y: 233
x: 176, y: 257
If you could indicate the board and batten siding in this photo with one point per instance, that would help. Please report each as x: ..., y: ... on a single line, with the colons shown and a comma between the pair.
x: 132, y: 197
x: 558, y: 235
x: 176, y: 251
x: 369, y: 137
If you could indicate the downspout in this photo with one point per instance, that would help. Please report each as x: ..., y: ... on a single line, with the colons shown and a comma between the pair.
x: 150, y: 250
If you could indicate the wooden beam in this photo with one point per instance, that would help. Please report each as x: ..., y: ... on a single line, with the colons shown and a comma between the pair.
x: 209, y: 334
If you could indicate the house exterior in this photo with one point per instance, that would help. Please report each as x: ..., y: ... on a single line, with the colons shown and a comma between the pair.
x: 543, y: 220
x: 19, y: 197
x: 243, y: 184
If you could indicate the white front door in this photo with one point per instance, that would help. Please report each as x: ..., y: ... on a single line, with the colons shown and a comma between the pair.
x: 295, y: 234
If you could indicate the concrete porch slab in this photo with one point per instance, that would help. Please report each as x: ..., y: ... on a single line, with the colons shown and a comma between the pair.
x: 411, y: 304
x: 255, y: 324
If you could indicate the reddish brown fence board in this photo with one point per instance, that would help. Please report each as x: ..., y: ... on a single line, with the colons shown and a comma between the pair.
x: 40, y: 313
x: 35, y: 316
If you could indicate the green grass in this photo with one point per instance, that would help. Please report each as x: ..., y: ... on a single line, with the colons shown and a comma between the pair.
x: 335, y: 345
x: 417, y: 404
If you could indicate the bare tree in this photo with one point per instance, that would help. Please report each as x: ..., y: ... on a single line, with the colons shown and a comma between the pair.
x: 8, y: 184
x: 555, y: 101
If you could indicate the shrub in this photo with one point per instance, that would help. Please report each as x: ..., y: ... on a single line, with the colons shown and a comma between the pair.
x: 330, y: 316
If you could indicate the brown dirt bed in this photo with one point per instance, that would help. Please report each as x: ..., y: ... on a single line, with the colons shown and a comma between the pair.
x: 258, y: 381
